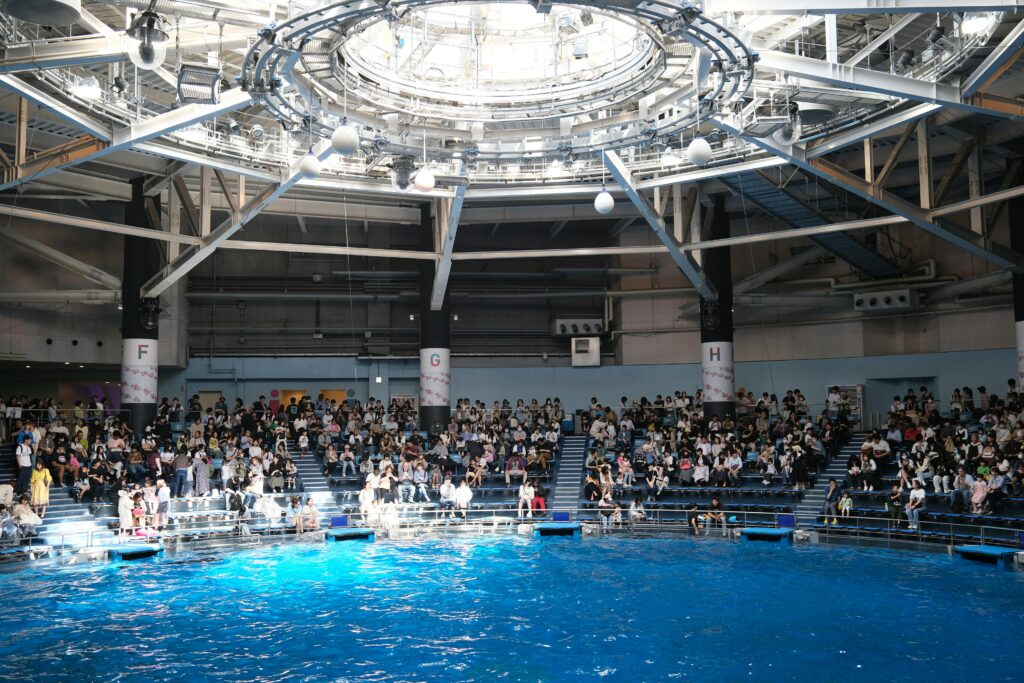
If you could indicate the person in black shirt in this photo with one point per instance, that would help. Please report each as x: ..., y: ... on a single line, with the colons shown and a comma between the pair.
x: 715, y: 514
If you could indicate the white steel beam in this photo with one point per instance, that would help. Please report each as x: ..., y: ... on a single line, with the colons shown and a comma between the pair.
x: 51, y: 104
x: 130, y: 136
x: 60, y: 54
x: 90, y: 273
x: 856, y: 78
x: 62, y: 296
x: 321, y: 249
x: 90, y: 224
x: 757, y: 238
x: 181, y: 266
x: 444, y: 264
x: 795, y: 155
x: 650, y: 214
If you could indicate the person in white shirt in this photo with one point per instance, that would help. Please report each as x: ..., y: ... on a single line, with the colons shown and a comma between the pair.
x: 916, y: 504
x: 463, y: 497
x: 24, y: 458
x: 447, y: 494
x: 526, y: 494
x: 163, y: 504
x: 368, y: 502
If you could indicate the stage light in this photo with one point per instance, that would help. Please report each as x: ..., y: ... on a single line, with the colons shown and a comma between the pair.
x: 199, y: 84
x: 147, y: 40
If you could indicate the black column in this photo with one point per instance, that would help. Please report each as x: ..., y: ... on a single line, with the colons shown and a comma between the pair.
x: 1015, y: 214
x: 139, y: 319
x: 716, y: 323
x: 435, y: 340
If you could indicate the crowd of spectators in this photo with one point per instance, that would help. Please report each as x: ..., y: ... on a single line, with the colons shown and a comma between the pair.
x: 641, y: 448
x: 971, y: 456
x: 245, y: 452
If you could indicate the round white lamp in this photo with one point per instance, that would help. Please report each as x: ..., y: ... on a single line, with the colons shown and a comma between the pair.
x: 309, y: 165
x: 698, y: 152
x: 424, y: 180
x: 345, y: 139
x: 604, y: 202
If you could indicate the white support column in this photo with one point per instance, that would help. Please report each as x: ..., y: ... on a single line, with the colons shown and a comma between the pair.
x: 869, y: 161
x: 173, y: 222
x: 974, y: 180
x: 696, y: 226
x: 205, y: 191
x: 924, y: 163
x: 677, y: 213
x: 831, y: 38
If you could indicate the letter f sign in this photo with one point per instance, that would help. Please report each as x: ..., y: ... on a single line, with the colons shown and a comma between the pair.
x: 143, y: 350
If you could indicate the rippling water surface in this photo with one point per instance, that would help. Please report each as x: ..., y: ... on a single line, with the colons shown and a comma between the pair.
x: 509, y: 609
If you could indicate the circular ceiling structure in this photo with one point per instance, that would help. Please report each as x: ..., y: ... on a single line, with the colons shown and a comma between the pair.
x: 482, y: 81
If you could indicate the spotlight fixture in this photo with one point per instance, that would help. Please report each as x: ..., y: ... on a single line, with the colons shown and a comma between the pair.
x: 604, y: 202
x: 935, y: 34
x: 256, y: 132
x: 119, y: 85
x: 87, y: 88
x: 147, y: 40
x: 905, y: 60
x: 149, y: 313
x: 199, y: 84
x: 345, y: 139
x: 698, y: 152
x: 402, y: 169
x: 310, y: 165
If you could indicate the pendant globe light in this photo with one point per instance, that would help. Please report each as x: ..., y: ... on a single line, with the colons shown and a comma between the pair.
x: 345, y: 139
x: 698, y: 152
x: 310, y: 165
x: 424, y: 181
x: 604, y: 202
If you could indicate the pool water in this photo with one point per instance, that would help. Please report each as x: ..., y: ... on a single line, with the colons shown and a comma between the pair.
x: 511, y: 609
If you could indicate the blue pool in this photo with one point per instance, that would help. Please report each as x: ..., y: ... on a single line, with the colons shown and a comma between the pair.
x: 509, y: 609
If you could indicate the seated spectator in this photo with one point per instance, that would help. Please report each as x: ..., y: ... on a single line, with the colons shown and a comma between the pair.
x: 463, y: 499
x: 447, y: 494
x: 915, y: 504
